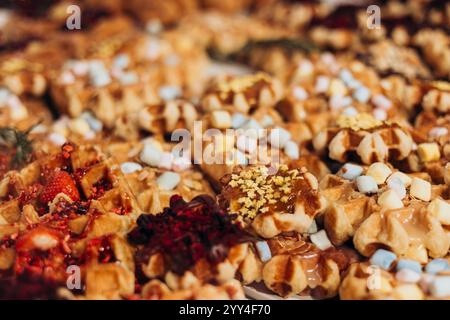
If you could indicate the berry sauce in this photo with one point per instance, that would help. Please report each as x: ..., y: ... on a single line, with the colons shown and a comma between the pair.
x: 187, y: 232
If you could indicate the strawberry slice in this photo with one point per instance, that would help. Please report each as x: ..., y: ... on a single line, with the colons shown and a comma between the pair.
x: 60, y: 182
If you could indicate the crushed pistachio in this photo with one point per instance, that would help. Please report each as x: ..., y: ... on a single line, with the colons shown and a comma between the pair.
x: 259, y: 189
x: 360, y: 121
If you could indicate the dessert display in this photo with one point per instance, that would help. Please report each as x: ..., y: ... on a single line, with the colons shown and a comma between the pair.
x: 247, y: 149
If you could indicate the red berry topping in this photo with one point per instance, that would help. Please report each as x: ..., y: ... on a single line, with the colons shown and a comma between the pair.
x: 60, y: 182
x: 187, y: 232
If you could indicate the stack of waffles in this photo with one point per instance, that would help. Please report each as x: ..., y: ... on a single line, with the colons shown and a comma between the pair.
x: 201, y: 149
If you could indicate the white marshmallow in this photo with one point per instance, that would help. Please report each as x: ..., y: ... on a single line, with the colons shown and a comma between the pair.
x: 404, y: 178
x: 320, y: 239
x: 292, y: 150
x: 322, y: 84
x: 390, y: 200
x: 246, y: 143
x: 278, y: 137
x: 440, y: 287
x: 380, y: 101
x: 263, y: 251
x: 379, y: 171
x: 366, y: 184
x: 151, y: 155
x: 398, y: 186
x: 130, y: 167
x: 168, y: 180
x: 350, y: 171
x: 169, y: 92
x: 420, y: 189
x: 407, y: 275
x: 299, y: 93
x: 57, y: 138
x: 181, y: 163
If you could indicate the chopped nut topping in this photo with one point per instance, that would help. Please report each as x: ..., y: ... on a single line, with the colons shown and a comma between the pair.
x: 360, y: 121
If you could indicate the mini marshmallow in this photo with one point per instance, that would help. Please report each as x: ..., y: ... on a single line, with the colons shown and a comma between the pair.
x: 238, y: 120
x: 338, y: 102
x: 267, y: 121
x: 150, y: 155
x: 408, y: 276
x: 79, y: 126
x: 350, y: 111
x: 66, y: 78
x: 350, y: 171
x: 278, y: 137
x: 168, y: 180
x: 299, y: 93
x: 153, y: 48
x: 354, y: 84
x: 128, y: 78
x: 410, y: 265
x: 437, y: 132
x: 95, y: 124
x: 246, y: 143
x: 239, y: 158
x: 121, y: 61
x: 440, y: 287
x: 17, y: 110
x: 379, y: 114
x: 390, y: 200
x: 57, y: 138
x: 100, y: 79
x: 337, y: 88
x: 345, y: 75
x: 428, y: 152
x: 166, y: 160
x: 362, y: 94
x: 437, y: 265
x: 221, y: 119
x: 130, y: 167
x: 366, y: 184
x: 44, y: 241
x: 253, y: 128
x: 322, y: 84
x: 404, y: 178
x: 380, y: 101
x: 153, y: 26
x: 305, y: 68
x: 420, y: 189
x: 169, y: 92
x: 181, y: 163
x: 398, y: 186
x: 263, y: 250
x: 425, y: 281
x: 320, y: 239
x: 292, y: 150
x: 379, y: 171
x: 441, y: 210
x: 383, y: 258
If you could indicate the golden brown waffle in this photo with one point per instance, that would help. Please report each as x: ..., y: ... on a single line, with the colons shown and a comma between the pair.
x: 271, y: 203
x: 365, y: 139
x: 367, y: 282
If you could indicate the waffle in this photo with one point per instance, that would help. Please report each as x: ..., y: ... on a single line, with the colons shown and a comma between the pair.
x: 322, y: 161
x: 299, y: 267
x: 365, y: 281
x: 366, y: 140
x: 354, y: 212
x: 253, y: 193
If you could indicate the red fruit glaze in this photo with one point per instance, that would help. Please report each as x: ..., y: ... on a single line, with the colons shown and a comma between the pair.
x: 187, y: 232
